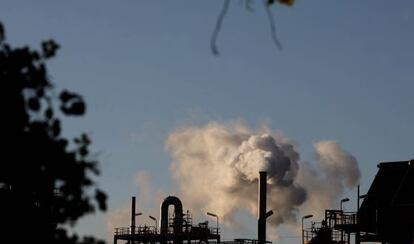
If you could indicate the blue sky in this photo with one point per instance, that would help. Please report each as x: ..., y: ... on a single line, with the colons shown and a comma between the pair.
x: 145, y: 68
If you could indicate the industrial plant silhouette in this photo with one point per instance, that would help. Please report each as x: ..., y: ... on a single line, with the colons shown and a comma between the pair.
x: 386, y: 215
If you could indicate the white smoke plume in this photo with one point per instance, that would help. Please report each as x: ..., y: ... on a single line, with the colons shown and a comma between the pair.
x: 335, y: 171
x: 216, y: 167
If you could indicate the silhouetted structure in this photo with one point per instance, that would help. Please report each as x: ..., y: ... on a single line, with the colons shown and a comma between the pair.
x: 179, y: 228
x: 386, y: 214
x: 176, y: 228
x: 333, y: 229
x: 262, y: 212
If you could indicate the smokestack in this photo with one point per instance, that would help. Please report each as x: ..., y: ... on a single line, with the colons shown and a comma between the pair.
x: 261, y: 225
x: 133, y: 216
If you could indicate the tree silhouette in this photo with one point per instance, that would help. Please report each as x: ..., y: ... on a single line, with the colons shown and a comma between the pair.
x: 46, y: 180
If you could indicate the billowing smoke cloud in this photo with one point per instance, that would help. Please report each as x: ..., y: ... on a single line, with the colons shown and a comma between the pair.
x: 216, y: 167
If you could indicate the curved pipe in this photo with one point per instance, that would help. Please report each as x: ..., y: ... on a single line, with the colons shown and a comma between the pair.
x: 178, y: 212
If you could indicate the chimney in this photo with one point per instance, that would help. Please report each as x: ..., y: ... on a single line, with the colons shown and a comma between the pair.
x: 261, y: 223
x: 133, y: 216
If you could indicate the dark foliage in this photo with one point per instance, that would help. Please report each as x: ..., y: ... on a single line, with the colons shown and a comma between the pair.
x: 287, y: 2
x: 45, y: 179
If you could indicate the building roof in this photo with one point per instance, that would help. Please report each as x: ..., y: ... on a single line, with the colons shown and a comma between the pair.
x: 390, y: 196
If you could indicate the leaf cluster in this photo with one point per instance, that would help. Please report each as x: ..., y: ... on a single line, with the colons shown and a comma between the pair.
x: 286, y: 2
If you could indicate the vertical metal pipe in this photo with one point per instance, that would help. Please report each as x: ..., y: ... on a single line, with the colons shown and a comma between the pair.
x: 303, y: 232
x: 261, y: 226
x: 133, y: 212
x: 358, y: 200
x: 132, y: 218
x: 358, y: 233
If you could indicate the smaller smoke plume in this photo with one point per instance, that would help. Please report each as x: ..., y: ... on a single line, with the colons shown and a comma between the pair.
x: 335, y: 171
x: 216, y: 167
x: 337, y: 164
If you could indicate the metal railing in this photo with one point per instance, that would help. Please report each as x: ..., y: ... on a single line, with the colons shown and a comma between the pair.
x: 348, y: 218
x: 243, y: 241
x: 319, y: 232
x: 214, y: 230
x: 139, y: 230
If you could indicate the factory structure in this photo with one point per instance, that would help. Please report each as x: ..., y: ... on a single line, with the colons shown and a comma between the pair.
x: 174, y: 229
x: 179, y: 227
x: 385, y: 215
